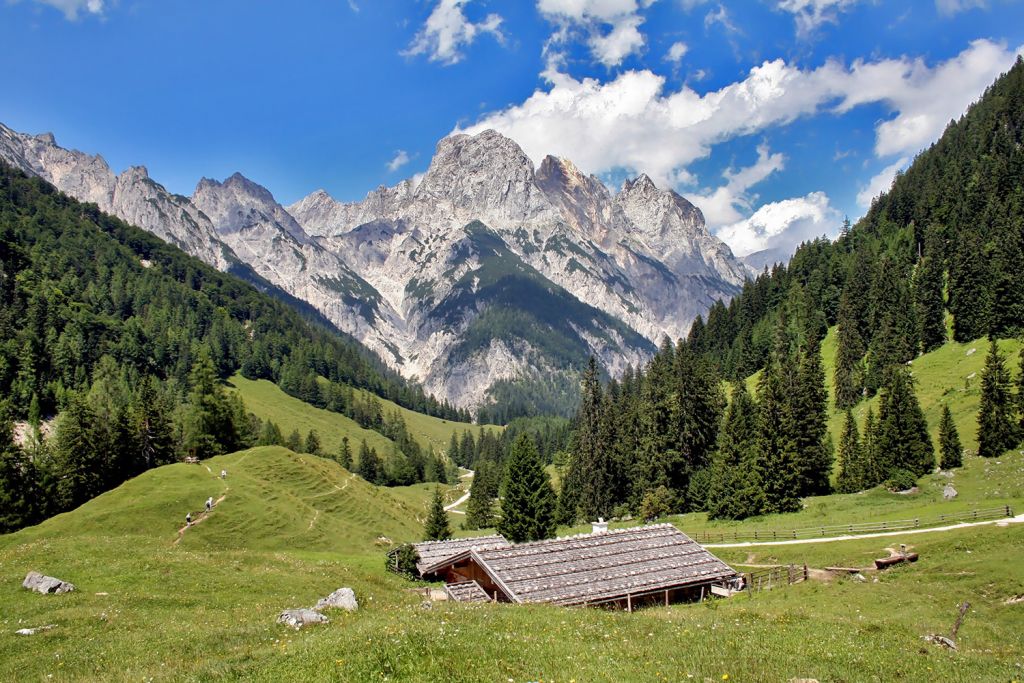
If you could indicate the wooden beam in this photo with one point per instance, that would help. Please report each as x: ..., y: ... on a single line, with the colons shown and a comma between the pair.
x: 629, y: 602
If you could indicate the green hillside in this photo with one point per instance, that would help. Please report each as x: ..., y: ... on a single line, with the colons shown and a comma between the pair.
x: 429, y: 430
x: 265, y: 399
x: 291, y: 528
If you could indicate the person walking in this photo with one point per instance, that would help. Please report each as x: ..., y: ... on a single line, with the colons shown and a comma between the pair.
x: 223, y: 474
x: 209, y: 503
x: 188, y: 519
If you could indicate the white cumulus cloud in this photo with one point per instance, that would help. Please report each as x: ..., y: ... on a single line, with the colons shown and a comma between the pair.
x: 732, y: 201
x: 611, y: 27
x: 447, y: 32
x: 783, y: 224
x: 880, y: 183
x: 400, y: 159
x: 677, y: 52
x: 951, y: 7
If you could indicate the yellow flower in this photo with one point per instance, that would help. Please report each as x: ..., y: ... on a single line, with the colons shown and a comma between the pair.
x: 725, y: 677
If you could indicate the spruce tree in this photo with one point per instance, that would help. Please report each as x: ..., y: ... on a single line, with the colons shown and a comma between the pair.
x: 528, y: 508
x: 312, y: 443
x: 436, y: 526
x: 294, y: 441
x: 735, y: 488
x: 873, y: 473
x: 368, y: 466
x: 949, y: 442
x: 902, y: 440
x: 81, y: 460
x: 345, y: 454
x: 776, y: 462
x: 849, y: 372
x: 969, y: 290
x: 809, y: 409
x: 480, y: 507
x: 270, y: 435
x: 997, y: 426
x: 20, y: 495
x: 928, y: 287
x: 589, y: 481
x: 153, y: 426
x: 211, y: 429
x: 893, y: 324
x: 853, y: 474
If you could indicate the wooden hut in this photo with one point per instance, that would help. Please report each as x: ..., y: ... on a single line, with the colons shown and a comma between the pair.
x: 623, y: 568
x: 435, y: 553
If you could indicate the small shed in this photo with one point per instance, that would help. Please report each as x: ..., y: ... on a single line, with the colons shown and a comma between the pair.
x: 652, y: 564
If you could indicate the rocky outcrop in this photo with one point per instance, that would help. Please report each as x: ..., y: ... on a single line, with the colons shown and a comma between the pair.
x: 343, y: 598
x: 34, y: 581
x: 432, y: 273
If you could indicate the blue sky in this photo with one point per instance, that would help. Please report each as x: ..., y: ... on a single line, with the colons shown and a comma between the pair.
x: 776, y: 117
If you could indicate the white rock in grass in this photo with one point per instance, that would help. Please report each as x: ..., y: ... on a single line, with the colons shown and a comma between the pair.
x: 343, y: 598
x: 949, y: 493
x: 297, y: 618
x: 34, y: 581
x: 33, y: 631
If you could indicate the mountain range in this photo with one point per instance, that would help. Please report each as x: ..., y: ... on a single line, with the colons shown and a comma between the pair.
x: 485, y: 270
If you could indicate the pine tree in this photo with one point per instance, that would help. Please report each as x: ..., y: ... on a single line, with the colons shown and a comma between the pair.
x: 293, y: 441
x: 368, y: 466
x: 873, y: 473
x: 211, y: 429
x: 528, y: 508
x: 81, y: 461
x: 928, y: 287
x: 902, y: 440
x: 809, y: 408
x: 1020, y: 394
x: 436, y: 526
x: 849, y: 372
x: 20, y: 495
x: 312, y: 444
x: 894, y: 324
x: 735, y: 488
x: 480, y: 507
x: 345, y: 454
x: 969, y: 291
x: 589, y: 481
x: 153, y: 427
x: 949, y: 442
x: 997, y: 428
x: 270, y: 435
x: 776, y: 462
x: 853, y: 475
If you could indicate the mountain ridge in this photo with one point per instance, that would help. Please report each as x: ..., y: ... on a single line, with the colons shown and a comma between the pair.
x: 377, y: 269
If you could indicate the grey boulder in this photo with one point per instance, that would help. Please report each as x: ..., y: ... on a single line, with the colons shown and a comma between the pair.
x: 343, y: 598
x: 34, y: 581
x: 948, y: 492
x: 297, y: 618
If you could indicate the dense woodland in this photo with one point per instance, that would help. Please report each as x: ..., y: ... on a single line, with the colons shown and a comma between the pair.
x: 129, y: 339
x: 946, y: 241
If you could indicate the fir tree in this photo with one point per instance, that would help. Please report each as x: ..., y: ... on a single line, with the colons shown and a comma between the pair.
x: 589, y: 481
x: 902, y: 441
x: 893, y: 322
x: 294, y: 441
x: 928, y: 287
x: 20, y: 497
x: 368, y: 466
x: 480, y: 507
x: 345, y: 454
x: 81, y: 460
x: 776, y: 462
x: 312, y: 443
x: 949, y: 442
x: 809, y: 408
x: 853, y: 475
x: 211, y: 429
x: 849, y: 372
x: 997, y: 428
x: 153, y: 426
x: 270, y: 435
x: 873, y: 474
x: 436, y: 526
x: 969, y: 290
x: 528, y: 508
x: 735, y: 488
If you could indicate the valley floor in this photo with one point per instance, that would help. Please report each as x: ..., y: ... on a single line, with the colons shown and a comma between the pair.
x: 293, y: 528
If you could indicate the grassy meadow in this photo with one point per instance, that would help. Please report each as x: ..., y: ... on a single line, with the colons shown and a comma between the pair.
x: 292, y: 528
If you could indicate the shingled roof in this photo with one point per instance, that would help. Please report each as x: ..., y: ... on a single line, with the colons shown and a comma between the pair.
x: 466, y: 591
x: 600, y: 567
x: 435, y: 553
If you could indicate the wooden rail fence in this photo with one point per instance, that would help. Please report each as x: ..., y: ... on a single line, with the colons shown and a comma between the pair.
x: 855, y: 529
x: 774, y: 577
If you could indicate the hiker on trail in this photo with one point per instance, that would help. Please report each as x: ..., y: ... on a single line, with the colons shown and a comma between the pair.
x: 223, y: 474
x: 188, y: 519
x: 209, y: 503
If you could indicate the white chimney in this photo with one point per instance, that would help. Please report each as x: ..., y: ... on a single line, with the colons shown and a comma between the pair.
x: 600, y: 526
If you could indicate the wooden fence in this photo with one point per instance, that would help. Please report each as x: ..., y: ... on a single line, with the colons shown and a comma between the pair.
x: 774, y: 577
x: 854, y: 529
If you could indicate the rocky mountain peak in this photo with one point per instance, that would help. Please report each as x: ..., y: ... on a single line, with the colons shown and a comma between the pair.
x: 46, y: 138
x: 642, y: 184
x: 133, y: 173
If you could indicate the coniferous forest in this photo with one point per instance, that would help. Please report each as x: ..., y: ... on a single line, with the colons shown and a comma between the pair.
x: 130, y: 340
x: 945, y: 243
